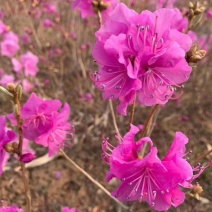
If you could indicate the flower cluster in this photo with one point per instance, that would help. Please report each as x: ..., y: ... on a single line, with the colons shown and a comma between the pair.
x: 28, y: 61
x: 149, y: 178
x: 44, y: 124
x: 141, y: 54
x: 87, y: 7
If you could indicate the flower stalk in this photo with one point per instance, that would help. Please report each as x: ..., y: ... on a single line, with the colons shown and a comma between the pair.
x: 91, y: 178
x: 15, y: 94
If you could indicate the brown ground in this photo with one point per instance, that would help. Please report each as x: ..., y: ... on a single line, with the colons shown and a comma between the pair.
x: 93, y: 119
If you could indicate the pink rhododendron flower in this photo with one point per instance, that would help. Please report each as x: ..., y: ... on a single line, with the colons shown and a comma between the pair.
x: 150, y: 179
x: 66, y: 209
x: 6, y: 136
x: 44, y: 124
x: 9, y: 45
x: 1, y: 14
x: 141, y: 54
x: 27, y: 86
x: 13, y: 208
x: 50, y: 8
x: 7, y: 78
x: 58, y: 175
x: 209, y: 13
x: 29, y: 62
x: 17, y: 66
x: 3, y: 28
x: 86, y: 9
x: 26, y: 38
x: 1, y: 72
x: 48, y: 23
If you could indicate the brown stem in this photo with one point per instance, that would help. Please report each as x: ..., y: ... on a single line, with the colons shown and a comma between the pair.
x: 17, y: 109
x: 114, y: 117
x: 99, y: 17
x: 149, y: 125
x: 202, y: 156
x: 26, y: 187
x: 91, y: 178
x: 32, y: 25
x: 133, y: 111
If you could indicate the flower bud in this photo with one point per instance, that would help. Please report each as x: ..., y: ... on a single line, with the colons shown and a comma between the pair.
x: 5, y: 91
x: 196, y: 190
x: 28, y: 157
x: 199, y: 55
x: 9, y: 148
x: 10, y: 87
x: 194, y: 55
x: 19, y: 91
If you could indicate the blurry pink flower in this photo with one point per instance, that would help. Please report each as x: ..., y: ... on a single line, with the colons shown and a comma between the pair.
x: 1, y: 14
x: 46, y: 82
x: 44, y: 124
x: 6, y: 136
x: 9, y: 45
x: 3, y: 28
x: 86, y: 9
x: 17, y: 66
x: 27, y: 86
x: 150, y: 179
x: 50, y: 8
x: 58, y: 175
x: 66, y: 209
x: 140, y: 54
x: 87, y: 97
x: 132, y: 3
x: 185, y: 118
x: 73, y: 35
x: 13, y: 208
x: 1, y: 72
x: 29, y: 62
x: 48, y: 23
x: 7, y: 78
x: 26, y: 38
x: 209, y: 13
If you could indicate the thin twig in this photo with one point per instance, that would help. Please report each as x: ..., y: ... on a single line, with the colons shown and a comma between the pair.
x: 99, y: 18
x: 26, y: 187
x: 114, y: 117
x: 149, y: 125
x: 202, y: 156
x: 82, y: 66
x: 149, y: 120
x: 133, y: 111
x: 91, y: 179
x: 32, y: 26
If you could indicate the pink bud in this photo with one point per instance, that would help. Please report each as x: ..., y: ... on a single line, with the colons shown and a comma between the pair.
x: 28, y: 157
